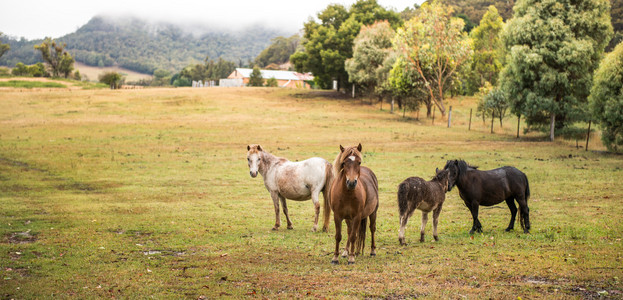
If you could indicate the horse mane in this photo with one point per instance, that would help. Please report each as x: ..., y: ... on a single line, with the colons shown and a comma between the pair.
x: 337, y: 163
x: 463, y: 166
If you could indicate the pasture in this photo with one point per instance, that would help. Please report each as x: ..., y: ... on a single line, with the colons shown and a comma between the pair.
x: 147, y: 193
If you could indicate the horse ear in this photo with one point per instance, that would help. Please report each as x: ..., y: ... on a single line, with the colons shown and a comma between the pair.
x: 259, y: 148
x: 359, y: 147
x: 248, y: 147
x: 436, y: 170
x: 341, y: 148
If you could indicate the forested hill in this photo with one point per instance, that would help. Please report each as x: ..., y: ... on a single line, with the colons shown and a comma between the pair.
x: 144, y: 46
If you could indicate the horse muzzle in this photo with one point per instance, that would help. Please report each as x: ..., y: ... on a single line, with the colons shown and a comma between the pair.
x: 351, y: 184
x: 253, y: 174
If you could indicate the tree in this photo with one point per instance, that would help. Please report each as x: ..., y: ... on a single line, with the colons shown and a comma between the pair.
x: 553, y: 48
x: 371, y: 48
x: 496, y: 102
x: 279, y: 51
x: 4, y: 48
x: 113, y: 79
x: 488, y: 51
x: 161, y: 77
x: 327, y: 45
x: 58, y: 60
x: 66, y: 65
x: 407, y: 86
x: 255, y: 79
x: 606, y: 99
x: 434, y: 40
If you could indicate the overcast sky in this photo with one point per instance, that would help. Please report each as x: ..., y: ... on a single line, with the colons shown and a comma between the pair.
x: 37, y: 19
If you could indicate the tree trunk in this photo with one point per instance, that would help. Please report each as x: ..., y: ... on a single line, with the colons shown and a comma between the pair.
x: 552, y: 126
x: 392, y: 109
x: 381, y: 100
x: 429, y: 107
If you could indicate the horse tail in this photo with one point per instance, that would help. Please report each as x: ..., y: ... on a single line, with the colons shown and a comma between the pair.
x: 403, y: 204
x: 360, y: 241
x: 326, y: 193
x: 526, y: 196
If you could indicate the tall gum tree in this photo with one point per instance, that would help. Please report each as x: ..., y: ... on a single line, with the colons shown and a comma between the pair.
x: 434, y: 40
x: 553, y: 47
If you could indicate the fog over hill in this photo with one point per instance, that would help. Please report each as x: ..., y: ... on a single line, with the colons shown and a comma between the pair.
x: 143, y: 46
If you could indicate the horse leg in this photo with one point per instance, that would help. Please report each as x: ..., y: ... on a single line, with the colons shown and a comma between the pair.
x: 338, y: 238
x: 436, y: 214
x: 424, y: 220
x: 275, y: 197
x: 476, y: 224
x: 352, y: 239
x: 511, y: 205
x: 346, y: 248
x: 317, y: 209
x: 403, y: 224
x: 372, y: 231
x: 285, y: 211
x: 524, y: 214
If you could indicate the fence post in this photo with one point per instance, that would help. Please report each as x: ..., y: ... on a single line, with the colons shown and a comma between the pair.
x: 588, y: 134
x: 450, y: 116
x: 433, y: 115
x: 518, y: 122
x: 492, y: 119
x: 470, y: 120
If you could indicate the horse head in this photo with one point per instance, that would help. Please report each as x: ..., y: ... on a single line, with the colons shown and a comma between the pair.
x: 349, y: 161
x: 443, y: 177
x: 453, y: 172
x: 254, y: 158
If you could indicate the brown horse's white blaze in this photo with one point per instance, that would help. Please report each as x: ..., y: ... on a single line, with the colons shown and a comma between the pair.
x: 297, y: 181
x: 354, y: 198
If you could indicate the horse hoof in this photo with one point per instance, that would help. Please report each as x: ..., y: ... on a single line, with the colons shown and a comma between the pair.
x: 508, y: 229
x: 275, y: 228
x: 436, y: 239
x: 351, y: 262
x: 325, y: 229
x: 372, y: 254
x: 290, y: 227
x: 335, y: 262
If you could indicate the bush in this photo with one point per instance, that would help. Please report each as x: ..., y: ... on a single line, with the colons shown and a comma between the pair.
x: 272, y: 82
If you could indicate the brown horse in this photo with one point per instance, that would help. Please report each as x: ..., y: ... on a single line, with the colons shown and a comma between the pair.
x: 427, y: 196
x: 354, y: 198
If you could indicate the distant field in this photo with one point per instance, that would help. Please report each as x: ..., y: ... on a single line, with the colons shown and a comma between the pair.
x: 31, y: 84
x: 147, y: 194
x: 94, y: 72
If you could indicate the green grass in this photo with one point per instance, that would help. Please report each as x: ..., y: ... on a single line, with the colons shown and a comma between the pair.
x: 31, y: 84
x: 146, y: 193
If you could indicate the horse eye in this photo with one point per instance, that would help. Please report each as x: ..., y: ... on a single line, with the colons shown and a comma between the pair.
x: 359, y: 163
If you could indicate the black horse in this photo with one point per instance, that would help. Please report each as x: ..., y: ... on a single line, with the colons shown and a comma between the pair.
x: 489, y: 188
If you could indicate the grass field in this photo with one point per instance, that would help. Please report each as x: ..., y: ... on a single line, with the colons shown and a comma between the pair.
x: 146, y: 193
x: 92, y: 73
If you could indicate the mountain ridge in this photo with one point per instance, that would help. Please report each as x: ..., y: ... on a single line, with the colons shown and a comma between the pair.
x: 144, y: 46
